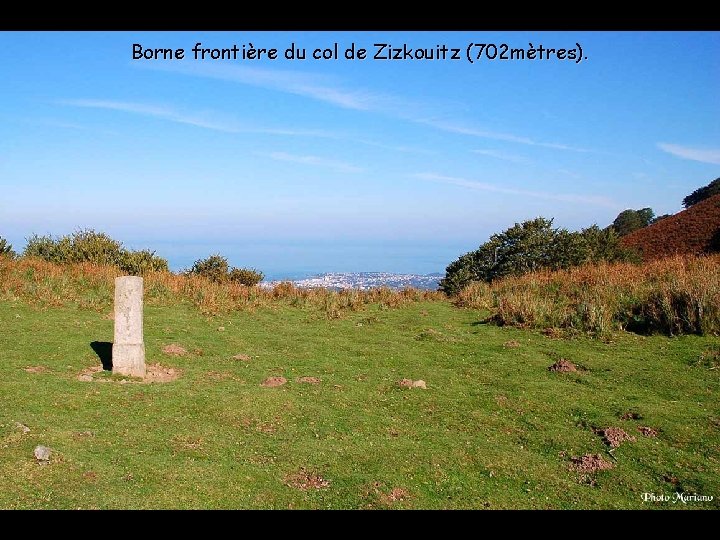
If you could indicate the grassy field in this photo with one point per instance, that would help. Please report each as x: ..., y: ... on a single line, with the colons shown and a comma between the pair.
x: 494, y: 428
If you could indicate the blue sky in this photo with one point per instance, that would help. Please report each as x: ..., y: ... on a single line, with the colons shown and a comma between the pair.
x: 340, y: 165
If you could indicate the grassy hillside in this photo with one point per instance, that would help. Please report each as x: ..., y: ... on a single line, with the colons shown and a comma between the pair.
x: 692, y: 231
x: 493, y: 429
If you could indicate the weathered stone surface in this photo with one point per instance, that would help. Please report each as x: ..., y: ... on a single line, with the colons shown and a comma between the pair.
x: 42, y: 453
x: 128, y: 352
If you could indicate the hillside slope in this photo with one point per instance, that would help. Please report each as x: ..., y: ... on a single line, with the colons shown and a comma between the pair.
x: 695, y: 230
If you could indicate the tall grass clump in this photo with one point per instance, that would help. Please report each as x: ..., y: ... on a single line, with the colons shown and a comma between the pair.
x: 676, y: 295
x: 88, y: 285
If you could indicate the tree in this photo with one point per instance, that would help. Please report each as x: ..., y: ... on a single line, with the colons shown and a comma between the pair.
x: 5, y: 248
x: 700, y: 194
x: 522, y: 248
x: 660, y: 218
x: 529, y: 246
x: 628, y: 221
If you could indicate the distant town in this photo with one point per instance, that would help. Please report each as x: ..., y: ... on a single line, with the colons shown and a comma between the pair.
x: 364, y: 280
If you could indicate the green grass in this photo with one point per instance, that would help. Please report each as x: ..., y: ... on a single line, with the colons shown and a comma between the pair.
x: 494, y: 429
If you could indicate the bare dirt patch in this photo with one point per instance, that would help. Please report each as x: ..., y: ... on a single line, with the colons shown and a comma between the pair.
x: 590, y: 463
x: 631, y: 415
x: 648, y: 431
x: 272, y: 382
x: 396, y: 494
x: 36, y: 369
x: 308, y: 380
x: 615, y: 436
x: 563, y: 366
x: 156, y: 373
x: 243, y: 357
x: 90, y: 476
x: 174, y: 350
x: 305, y: 480
x: 512, y: 344
x: 86, y: 375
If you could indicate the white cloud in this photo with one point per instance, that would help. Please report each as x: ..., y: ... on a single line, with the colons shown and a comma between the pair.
x: 472, y: 184
x: 327, y: 89
x: 339, y: 166
x: 499, y: 154
x: 315, y: 86
x: 203, y: 120
x: 453, y: 127
x: 705, y: 155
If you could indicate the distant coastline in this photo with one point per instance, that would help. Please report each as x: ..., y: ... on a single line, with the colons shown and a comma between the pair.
x: 363, y: 281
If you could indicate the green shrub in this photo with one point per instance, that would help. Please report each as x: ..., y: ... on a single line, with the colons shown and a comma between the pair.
x: 215, y: 268
x: 87, y: 245
x: 137, y: 263
x: 246, y: 276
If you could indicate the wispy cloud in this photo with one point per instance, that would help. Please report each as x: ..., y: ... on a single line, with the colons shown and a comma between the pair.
x: 499, y: 154
x: 312, y: 85
x: 483, y: 186
x: 393, y: 148
x: 316, y: 161
x: 705, y: 155
x: 453, y: 127
x: 328, y: 89
x: 205, y: 120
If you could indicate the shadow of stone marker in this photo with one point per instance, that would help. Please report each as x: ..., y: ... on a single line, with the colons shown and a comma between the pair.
x: 128, y: 350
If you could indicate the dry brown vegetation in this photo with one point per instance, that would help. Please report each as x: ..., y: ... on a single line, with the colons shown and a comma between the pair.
x: 91, y: 286
x: 676, y: 295
x: 694, y: 230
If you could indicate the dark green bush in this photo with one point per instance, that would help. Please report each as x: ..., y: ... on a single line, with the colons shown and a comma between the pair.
x: 246, y: 276
x: 217, y: 269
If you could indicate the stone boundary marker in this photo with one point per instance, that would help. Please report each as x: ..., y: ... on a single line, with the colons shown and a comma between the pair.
x: 128, y: 350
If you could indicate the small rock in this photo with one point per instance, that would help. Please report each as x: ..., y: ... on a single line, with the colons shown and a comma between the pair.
x: 409, y: 383
x: 243, y: 357
x: 221, y: 328
x: 24, y: 428
x: 42, y: 453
